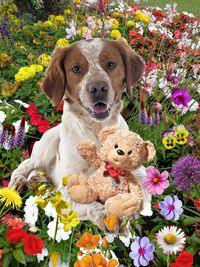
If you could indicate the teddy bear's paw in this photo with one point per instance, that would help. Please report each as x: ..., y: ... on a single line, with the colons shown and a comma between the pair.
x: 75, y: 179
x: 82, y: 194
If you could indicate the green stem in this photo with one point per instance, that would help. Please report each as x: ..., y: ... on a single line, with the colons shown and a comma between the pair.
x: 52, y: 244
x: 70, y: 246
x: 2, y: 211
x: 168, y: 260
x: 196, y: 187
x: 192, y: 211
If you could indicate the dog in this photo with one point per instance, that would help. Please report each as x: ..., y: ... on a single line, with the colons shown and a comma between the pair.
x: 90, y: 76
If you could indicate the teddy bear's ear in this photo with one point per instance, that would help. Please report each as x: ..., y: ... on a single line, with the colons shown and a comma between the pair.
x: 151, y: 152
x: 105, y: 132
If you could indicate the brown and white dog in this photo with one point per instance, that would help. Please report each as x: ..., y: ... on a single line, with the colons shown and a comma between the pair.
x: 91, y: 77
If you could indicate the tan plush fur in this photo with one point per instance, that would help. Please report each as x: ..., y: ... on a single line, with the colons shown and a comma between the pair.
x: 122, y: 149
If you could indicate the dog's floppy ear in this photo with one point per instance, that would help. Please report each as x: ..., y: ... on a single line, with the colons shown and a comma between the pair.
x: 105, y: 132
x: 54, y: 82
x: 134, y: 66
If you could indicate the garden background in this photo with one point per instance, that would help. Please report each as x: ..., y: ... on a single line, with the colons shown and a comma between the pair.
x: 164, y: 109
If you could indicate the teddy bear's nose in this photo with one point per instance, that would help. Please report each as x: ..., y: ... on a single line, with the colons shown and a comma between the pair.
x: 120, y: 152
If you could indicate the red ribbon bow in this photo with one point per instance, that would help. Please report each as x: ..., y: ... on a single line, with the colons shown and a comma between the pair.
x: 111, y: 171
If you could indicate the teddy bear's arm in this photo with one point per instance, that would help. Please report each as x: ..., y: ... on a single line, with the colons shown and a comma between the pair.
x: 135, y: 189
x: 88, y: 150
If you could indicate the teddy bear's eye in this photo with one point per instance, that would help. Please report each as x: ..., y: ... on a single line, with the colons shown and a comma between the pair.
x: 116, y: 146
x: 129, y: 152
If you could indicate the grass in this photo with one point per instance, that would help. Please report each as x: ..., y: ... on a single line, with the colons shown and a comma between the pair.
x: 190, y: 6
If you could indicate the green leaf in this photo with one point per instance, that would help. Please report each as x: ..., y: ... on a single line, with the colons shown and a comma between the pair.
x: 6, y: 250
x: 19, y: 255
x: 3, y: 243
x: 6, y: 259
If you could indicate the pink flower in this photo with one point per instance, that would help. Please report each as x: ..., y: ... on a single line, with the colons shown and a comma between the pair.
x: 156, y: 182
x: 5, y: 183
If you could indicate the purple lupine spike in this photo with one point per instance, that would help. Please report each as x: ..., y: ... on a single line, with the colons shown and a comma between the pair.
x: 149, y: 120
x: 142, y: 113
x: 3, y: 135
x: 156, y: 120
x: 12, y: 138
x: 20, y: 134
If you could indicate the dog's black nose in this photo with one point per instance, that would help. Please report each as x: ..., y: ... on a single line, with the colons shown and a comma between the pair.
x: 98, y: 89
x: 120, y: 152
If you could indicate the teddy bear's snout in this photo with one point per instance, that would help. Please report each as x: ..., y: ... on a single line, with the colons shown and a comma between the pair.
x: 120, y: 152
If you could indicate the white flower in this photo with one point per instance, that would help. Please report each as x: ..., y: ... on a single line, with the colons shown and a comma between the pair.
x: 17, y: 124
x: 2, y: 116
x: 40, y: 257
x: 50, y: 211
x: 171, y: 240
x: 21, y: 103
x: 191, y: 106
x: 31, y: 211
x: 61, y: 234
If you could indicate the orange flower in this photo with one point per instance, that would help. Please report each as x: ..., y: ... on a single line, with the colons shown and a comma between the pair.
x: 88, y: 241
x: 110, y: 222
x: 95, y: 260
x: 105, y: 242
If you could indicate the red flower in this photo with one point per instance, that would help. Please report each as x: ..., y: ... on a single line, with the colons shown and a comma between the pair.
x: 197, y: 203
x: 43, y: 126
x: 132, y: 41
x: 31, y: 109
x: 173, y: 265
x: 15, y: 235
x: 33, y: 244
x: 35, y: 119
x: 132, y: 33
x: 150, y: 65
x: 16, y: 223
x: 185, y: 259
x: 60, y: 107
x: 5, y: 218
x: 5, y: 183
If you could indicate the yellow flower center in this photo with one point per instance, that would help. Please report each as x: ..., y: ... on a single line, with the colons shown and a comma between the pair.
x: 155, y: 180
x: 170, y: 238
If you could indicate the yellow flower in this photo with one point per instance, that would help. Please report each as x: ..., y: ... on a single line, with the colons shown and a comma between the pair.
x: 44, y: 59
x: 37, y: 67
x: 69, y: 220
x: 41, y: 202
x: 62, y: 42
x: 59, y: 203
x: 169, y: 141
x: 60, y: 19
x: 67, y: 12
x: 181, y: 134
x: 5, y: 60
x: 24, y: 73
x: 47, y: 23
x: 10, y: 197
x: 117, y: 15
x: 82, y: 30
x: 115, y: 34
x: 142, y: 17
x: 65, y: 180
x: 130, y: 23
x: 54, y: 258
x: 115, y: 24
x: 8, y: 89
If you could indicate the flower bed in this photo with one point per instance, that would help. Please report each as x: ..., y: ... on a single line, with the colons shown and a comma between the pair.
x: 34, y: 228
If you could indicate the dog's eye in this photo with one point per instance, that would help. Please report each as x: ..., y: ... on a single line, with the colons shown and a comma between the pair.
x: 110, y: 65
x: 116, y: 146
x: 76, y: 69
x: 129, y: 152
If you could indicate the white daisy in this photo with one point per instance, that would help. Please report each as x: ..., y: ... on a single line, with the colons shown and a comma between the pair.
x: 171, y: 240
x: 61, y: 234
x: 31, y: 211
x: 2, y: 116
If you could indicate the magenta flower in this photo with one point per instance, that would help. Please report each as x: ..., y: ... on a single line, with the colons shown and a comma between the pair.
x: 156, y: 182
x: 141, y: 251
x: 171, y: 208
x: 180, y: 96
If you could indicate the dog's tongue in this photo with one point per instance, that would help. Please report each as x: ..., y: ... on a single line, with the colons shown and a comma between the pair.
x: 100, y: 108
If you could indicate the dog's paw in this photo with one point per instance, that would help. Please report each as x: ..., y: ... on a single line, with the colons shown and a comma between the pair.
x: 35, y: 181
x: 19, y: 183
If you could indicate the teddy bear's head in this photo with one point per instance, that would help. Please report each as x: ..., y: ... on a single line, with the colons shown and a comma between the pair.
x: 124, y: 149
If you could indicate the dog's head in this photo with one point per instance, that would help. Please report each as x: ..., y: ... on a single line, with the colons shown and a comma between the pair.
x: 93, y: 74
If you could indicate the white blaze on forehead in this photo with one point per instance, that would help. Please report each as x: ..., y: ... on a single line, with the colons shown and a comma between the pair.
x: 91, y: 50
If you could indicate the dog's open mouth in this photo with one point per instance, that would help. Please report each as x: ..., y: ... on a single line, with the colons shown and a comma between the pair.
x: 99, y: 110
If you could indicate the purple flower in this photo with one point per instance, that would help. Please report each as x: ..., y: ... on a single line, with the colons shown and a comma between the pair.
x: 171, y: 208
x: 180, y: 96
x: 156, y: 119
x: 142, y: 113
x: 142, y: 251
x: 186, y: 172
x: 20, y: 134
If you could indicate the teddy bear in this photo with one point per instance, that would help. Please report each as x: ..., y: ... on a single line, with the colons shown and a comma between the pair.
x: 113, y: 183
